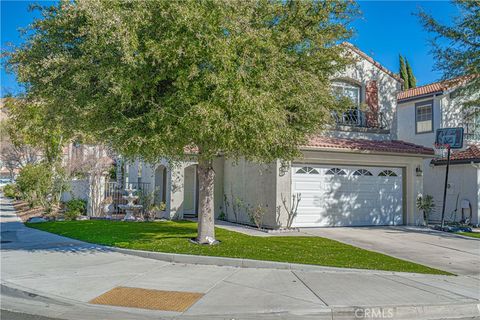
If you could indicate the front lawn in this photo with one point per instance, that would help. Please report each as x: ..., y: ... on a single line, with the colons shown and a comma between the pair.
x: 173, y: 237
x: 470, y: 234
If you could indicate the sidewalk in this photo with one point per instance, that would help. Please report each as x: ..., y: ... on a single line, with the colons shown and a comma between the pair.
x: 54, y: 276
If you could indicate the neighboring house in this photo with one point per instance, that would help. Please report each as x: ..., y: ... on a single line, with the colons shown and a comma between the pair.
x: 423, y: 110
x: 354, y: 173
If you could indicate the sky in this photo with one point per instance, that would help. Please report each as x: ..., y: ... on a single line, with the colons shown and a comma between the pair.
x: 385, y: 30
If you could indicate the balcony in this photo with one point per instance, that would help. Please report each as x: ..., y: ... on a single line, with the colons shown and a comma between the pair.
x: 471, y: 131
x: 357, y: 120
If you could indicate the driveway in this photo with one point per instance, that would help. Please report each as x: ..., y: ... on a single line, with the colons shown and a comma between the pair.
x: 445, y: 251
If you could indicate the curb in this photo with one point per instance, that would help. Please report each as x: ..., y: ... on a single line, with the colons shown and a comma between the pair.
x: 247, y: 263
x: 421, y: 312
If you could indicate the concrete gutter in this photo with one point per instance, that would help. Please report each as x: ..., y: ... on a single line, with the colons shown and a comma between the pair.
x: 245, y: 263
x: 35, y: 303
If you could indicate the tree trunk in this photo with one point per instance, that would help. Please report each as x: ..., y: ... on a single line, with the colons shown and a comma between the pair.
x: 206, y: 222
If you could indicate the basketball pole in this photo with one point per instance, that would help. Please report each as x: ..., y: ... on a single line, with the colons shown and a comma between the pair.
x: 445, y: 187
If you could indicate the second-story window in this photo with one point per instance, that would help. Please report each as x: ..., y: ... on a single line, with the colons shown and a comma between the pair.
x: 347, y: 89
x: 424, y: 117
x: 471, y: 123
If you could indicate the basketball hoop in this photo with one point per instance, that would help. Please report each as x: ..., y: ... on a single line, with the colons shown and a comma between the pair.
x: 447, y: 139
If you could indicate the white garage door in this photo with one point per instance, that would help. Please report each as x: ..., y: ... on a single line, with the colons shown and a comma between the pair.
x: 347, y: 196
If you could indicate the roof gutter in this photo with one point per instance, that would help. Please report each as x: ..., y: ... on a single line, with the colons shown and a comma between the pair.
x: 406, y: 154
x: 463, y: 161
x: 423, y: 96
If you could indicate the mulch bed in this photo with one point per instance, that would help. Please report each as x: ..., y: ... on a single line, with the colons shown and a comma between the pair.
x: 24, y: 212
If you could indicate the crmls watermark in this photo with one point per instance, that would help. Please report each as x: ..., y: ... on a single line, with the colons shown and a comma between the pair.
x: 374, y: 313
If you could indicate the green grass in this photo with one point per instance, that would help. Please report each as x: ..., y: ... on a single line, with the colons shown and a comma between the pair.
x: 173, y: 237
x: 470, y: 234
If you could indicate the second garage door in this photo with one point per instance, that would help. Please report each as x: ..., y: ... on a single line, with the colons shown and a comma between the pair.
x: 347, y: 196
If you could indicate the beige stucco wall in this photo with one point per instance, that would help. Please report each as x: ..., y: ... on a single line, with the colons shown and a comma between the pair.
x: 251, y: 184
x: 175, y: 193
x: 406, y: 122
x: 413, y: 185
x: 463, y: 183
x: 363, y: 71
x: 447, y: 113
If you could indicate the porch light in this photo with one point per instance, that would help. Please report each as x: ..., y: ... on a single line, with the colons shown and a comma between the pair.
x: 419, y: 171
x: 284, y: 167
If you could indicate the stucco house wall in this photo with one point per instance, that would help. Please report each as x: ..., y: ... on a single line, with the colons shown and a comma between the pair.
x: 463, y: 183
x: 406, y: 122
x: 247, y: 185
x: 447, y: 113
x: 363, y: 71
x: 463, y: 179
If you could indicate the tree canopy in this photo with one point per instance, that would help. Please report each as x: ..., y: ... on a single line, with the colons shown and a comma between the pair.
x: 149, y: 78
x: 456, y: 47
x: 244, y: 78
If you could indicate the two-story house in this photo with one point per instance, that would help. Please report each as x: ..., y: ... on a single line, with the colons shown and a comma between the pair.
x: 354, y: 173
x: 423, y: 110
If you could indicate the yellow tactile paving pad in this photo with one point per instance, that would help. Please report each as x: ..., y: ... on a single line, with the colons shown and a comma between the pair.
x: 148, y: 299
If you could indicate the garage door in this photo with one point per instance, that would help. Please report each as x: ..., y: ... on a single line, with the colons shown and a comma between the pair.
x: 347, y: 196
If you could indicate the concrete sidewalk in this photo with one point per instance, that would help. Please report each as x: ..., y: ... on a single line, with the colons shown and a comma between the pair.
x: 53, y: 276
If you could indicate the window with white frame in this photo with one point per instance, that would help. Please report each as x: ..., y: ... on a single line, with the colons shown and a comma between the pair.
x: 347, y: 89
x: 424, y: 117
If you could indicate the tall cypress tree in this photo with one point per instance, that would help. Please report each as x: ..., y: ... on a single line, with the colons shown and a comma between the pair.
x: 403, y: 73
x: 412, y: 81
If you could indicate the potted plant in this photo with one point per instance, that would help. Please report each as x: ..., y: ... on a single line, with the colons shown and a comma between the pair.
x: 427, y: 205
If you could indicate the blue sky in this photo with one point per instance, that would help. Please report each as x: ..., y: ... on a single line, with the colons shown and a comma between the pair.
x: 386, y: 29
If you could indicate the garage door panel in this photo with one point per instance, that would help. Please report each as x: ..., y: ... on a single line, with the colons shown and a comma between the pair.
x: 348, y: 200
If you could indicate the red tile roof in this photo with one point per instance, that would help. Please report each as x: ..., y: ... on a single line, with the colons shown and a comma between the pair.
x: 370, y: 59
x: 471, y: 154
x: 388, y: 146
x: 436, y: 87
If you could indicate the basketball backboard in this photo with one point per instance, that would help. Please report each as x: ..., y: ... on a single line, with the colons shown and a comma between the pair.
x: 450, y: 136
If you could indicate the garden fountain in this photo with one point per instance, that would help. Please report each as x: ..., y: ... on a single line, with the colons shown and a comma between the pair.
x: 130, y: 207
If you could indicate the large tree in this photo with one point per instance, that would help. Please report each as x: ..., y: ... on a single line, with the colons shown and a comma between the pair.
x: 456, y: 47
x: 150, y: 78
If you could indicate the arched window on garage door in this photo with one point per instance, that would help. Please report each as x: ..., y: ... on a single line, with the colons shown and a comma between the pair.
x: 336, y: 172
x: 387, y: 173
x: 362, y: 172
x: 307, y: 170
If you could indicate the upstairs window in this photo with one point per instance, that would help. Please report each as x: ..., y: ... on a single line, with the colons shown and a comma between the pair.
x: 471, y: 123
x: 346, y: 89
x: 424, y: 117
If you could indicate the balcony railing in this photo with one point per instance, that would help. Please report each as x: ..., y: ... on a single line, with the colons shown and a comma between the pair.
x: 361, y: 119
x: 471, y: 131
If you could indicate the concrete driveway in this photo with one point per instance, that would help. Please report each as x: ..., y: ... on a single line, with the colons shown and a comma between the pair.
x: 449, y: 252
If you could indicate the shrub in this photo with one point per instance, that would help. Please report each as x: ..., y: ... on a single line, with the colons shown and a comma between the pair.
x: 256, y: 215
x: 74, y: 208
x: 427, y: 205
x: 11, y: 191
x: 35, y: 184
